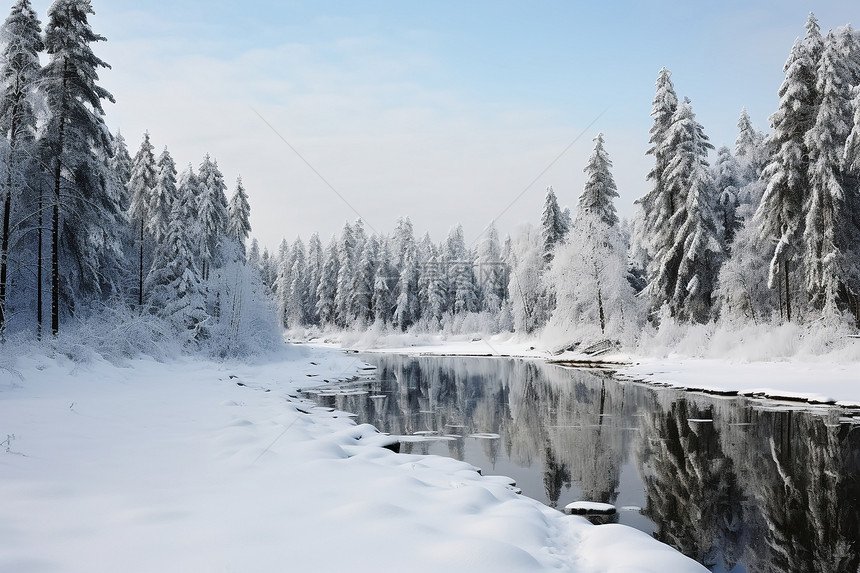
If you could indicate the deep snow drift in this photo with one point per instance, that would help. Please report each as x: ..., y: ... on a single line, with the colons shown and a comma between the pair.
x: 200, y: 466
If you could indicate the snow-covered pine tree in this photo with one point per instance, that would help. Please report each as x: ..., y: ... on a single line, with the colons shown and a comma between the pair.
x: 141, y: 185
x: 727, y: 182
x: 658, y: 205
x: 239, y: 216
x: 327, y: 290
x: 594, y: 298
x: 174, y: 282
x: 21, y: 36
x: 120, y: 164
x: 528, y: 294
x: 295, y: 288
x: 780, y: 214
x: 73, y: 138
x: 406, y: 309
x: 492, y: 272
x: 829, y: 235
x: 163, y: 196
x: 347, y: 265
x: 363, y: 285
x: 688, y: 253
x: 384, y: 281
x: 458, y: 263
x: 315, y: 261
x: 211, y: 213
x: 403, y: 241
x: 553, y: 225
x: 281, y: 290
x: 750, y: 150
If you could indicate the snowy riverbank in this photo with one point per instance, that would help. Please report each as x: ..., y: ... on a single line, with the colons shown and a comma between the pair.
x: 200, y: 466
x: 733, y: 364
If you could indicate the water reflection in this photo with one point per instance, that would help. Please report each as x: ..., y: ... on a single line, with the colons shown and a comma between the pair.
x: 737, y: 485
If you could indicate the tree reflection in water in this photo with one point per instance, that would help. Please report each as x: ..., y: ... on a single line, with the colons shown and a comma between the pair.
x: 728, y: 482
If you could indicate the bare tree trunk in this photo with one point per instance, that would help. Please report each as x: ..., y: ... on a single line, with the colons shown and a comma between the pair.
x: 55, y: 224
x: 600, y: 310
x: 140, y: 273
x: 7, y: 212
x: 39, y: 273
x: 787, y: 292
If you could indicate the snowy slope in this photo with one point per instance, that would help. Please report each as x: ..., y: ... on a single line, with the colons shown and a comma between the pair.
x: 178, y: 467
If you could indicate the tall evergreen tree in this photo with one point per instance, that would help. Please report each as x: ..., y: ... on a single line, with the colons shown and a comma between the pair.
x: 493, y: 276
x: 593, y: 291
x: 120, y: 164
x: 688, y: 253
x: 553, y: 227
x: 750, y: 149
x: 727, y: 180
x: 74, y: 136
x: 327, y: 291
x: 141, y: 185
x: 21, y: 35
x: 211, y: 213
x: 239, y: 216
x: 659, y: 204
x: 780, y: 214
x: 829, y: 234
x: 164, y: 194
x: 175, y: 282
x: 315, y: 263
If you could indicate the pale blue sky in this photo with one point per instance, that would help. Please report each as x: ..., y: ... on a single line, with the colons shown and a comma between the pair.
x: 441, y: 110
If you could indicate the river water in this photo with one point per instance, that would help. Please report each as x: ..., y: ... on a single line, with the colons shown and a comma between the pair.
x: 738, y: 485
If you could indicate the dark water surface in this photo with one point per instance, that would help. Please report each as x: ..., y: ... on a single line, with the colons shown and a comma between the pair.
x: 738, y: 485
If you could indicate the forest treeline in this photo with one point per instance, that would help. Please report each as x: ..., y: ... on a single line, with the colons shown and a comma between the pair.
x: 767, y: 234
x: 86, y: 228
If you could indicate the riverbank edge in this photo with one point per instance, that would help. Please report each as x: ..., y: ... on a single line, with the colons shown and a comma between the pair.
x: 654, y: 372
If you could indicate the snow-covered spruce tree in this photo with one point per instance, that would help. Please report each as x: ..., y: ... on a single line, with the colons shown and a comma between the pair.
x: 750, y: 150
x: 86, y: 217
x: 406, y: 311
x: 326, y: 305
x: 239, y: 216
x: 174, y: 282
x: 315, y: 261
x: 283, y: 279
x: 687, y: 253
x: 553, y: 225
x: 347, y: 265
x: 829, y: 234
x: 363, y: 285
x: 141, y: 186
x: 594, y: 298
x: 780, y: 214
x: 120, y: 164
x: 527, y: 293
x: 21, y: 36
x: 492, y: 272
x: 384, y: 281
x: 212, y: 214
x: 163, y: 196
x: 457, y: 260
x: 727, y: 182
x: 295, y: 286
x: 658, y: 205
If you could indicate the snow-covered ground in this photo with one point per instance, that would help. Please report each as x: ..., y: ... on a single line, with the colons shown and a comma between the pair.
x: 193, y: 465
x: 733, y: 364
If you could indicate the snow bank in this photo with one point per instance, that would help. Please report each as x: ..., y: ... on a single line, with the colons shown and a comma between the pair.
x: 200, y: 466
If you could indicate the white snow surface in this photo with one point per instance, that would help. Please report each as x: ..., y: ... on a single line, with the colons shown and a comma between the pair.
x: 175, y: 467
